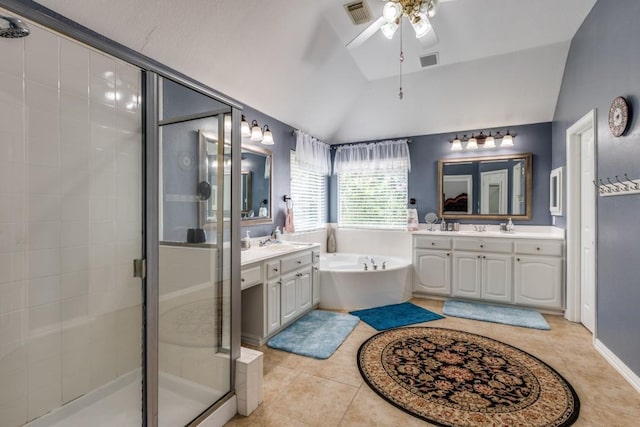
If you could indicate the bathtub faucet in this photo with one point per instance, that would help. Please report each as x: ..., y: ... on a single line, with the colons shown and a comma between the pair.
x: 366, y: 267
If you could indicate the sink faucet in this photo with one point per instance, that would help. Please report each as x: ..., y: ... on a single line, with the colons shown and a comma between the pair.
x: 265, y: 242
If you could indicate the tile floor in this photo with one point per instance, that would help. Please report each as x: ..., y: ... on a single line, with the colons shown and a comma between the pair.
x: 300, y: 391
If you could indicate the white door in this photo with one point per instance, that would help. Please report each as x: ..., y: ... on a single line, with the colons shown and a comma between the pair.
x: 493, y: 196
x: 288, y: 304
x: 496, y: 277
x: 304, y: 290
x: 467, y: 274
x: 432, y: 272
x: 516, y: 191
x: 587, y: 235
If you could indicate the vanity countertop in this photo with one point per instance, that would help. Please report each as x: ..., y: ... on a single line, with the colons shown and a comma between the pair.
x: 522, y: 232
x: 261, y: 253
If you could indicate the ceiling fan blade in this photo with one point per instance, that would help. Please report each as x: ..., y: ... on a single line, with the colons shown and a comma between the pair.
x: 367, y: 33
x: 429, y: 40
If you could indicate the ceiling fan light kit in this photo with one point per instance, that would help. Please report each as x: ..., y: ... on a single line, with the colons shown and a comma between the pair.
x: 417, y: 12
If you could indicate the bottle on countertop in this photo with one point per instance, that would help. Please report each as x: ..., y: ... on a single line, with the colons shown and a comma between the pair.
x: 510, y: 227
x: 443, y: 225
x: 245, y: 243
x: 276, y: 234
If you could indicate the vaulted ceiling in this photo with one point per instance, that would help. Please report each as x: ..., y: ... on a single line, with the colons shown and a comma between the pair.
x: 500, y: 61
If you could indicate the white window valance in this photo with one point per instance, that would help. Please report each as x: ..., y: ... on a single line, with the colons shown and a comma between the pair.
x: 313, y: 154
x: 384, y: 155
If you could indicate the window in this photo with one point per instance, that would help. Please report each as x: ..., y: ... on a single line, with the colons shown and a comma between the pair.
x: 372, y: 199
x: 309, y: 195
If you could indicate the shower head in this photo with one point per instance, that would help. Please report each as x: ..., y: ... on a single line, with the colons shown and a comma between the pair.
x: 12, y: 28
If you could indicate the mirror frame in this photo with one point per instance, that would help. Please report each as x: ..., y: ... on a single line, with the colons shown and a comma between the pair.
x: 528, y: 187
x: 266, y: 152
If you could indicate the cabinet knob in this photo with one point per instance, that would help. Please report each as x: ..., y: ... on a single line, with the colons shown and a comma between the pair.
x: 433, y: 243
x: 242, y: 280
x: 275, y: 269
x: 299, y: 262
x: 482, y: 246
x: 478, y: 256
x: 315, y: 268
x: 537, y: 249
x: 518, y: 259
x: 448, y: 254
x: 484, y: 257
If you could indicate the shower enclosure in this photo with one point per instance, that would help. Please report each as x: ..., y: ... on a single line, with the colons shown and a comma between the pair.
x: 100, y: 172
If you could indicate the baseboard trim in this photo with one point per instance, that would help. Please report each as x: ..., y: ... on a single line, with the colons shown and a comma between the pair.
x: 618, y: 365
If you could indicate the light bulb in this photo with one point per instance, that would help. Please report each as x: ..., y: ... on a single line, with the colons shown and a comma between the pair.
x: 245, y: 130
x: 507, y: 140
x: 490, y: 142
x: 256, y: 132
x: 392, y: 11
x: 421, y: 26
x: 267, y: 136
x: 389, y: 29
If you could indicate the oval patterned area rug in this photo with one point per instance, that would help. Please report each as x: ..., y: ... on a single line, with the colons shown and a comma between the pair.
x: 456, y: 378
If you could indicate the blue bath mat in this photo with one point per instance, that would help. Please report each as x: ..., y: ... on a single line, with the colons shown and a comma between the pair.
x: 395, y: 315
x: 496, y: 314
x: 317, y: 334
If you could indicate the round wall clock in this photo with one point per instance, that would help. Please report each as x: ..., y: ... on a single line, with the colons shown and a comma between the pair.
x: 618, y: 116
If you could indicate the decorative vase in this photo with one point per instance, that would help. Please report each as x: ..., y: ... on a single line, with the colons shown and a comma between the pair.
x: 331, y: 240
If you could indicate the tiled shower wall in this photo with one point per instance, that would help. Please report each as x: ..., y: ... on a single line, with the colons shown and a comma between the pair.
x: 70, y: 222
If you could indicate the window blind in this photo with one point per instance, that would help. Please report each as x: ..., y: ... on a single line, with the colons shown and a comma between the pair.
x: 373, y: 199
x: 309, y: 195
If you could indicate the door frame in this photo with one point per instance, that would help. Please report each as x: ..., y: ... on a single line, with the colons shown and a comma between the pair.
x: 573, y: 175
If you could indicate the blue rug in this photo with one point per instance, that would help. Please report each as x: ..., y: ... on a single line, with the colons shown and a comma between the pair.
x: 496, y: 314
x: 317, y: 334
x: 395, y: 315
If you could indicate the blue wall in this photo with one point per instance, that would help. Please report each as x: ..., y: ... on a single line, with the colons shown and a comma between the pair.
x: 426, y: 150
x: 604, y: 62
x: 284, y: 143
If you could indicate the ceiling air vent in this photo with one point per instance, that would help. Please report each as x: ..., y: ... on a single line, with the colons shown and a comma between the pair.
x: 429, y: 60
x: 358, y: 11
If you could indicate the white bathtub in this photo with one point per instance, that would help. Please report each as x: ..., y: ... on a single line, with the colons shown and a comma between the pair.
x: 344, y: 284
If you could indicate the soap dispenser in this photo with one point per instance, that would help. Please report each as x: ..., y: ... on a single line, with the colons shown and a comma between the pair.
x: 276, y: 234
x: 245, y: 243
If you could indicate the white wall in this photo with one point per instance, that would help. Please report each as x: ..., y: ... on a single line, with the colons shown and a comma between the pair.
x: 70, y: 211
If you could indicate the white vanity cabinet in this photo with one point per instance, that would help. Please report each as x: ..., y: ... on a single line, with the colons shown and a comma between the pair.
x: 538, y: 274
x: 289, y: 287
x: 512, y: 269
x: 485, y: 274
x: 432, y: 265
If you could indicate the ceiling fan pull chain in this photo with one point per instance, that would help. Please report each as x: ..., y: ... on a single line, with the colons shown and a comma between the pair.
x: 400, y: 94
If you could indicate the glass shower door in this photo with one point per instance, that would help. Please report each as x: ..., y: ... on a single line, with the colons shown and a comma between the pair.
x: 194, y: 253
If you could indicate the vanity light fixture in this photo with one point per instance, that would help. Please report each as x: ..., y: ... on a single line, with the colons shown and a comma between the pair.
x: 472, y: 144
x: 267, y: 136
x: 256, y: 132
x: 245, y: 129
x: 489, y: 143
x: 507, y: 140
x: 457, y: 144
x: 486, y: 142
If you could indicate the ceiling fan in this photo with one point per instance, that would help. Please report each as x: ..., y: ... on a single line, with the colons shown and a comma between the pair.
x: 417, y: 12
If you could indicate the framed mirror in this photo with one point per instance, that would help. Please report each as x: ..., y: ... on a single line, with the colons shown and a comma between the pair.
x: 256, y: 185
x: 492, y: 187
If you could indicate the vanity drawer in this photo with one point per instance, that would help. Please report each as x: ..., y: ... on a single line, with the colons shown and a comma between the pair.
x: 250, y: 276
x: 552, y: 248
x: 273, y: 269
x: 432, y: 242
x: 483, y: 245
x: 293, y: 262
